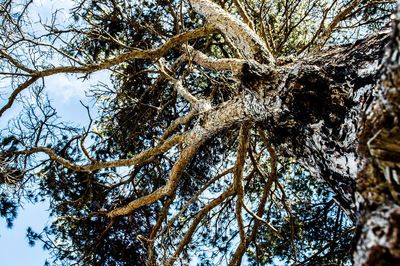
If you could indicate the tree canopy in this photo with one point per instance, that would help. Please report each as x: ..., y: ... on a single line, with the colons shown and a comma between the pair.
x: 231, y: 132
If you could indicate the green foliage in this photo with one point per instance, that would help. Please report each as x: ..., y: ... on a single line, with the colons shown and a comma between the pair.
x: 8, y: 208
x: 136, y: 111
x: 314, y: 229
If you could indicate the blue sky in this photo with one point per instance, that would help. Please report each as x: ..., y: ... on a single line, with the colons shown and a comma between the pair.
x: 66, y: 92
x: 14, y: 248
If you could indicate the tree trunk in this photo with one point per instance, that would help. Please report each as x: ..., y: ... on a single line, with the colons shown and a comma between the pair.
x: 312, y: 109
x: 327, y: 113
x: 338, y: 114
x: 378, y: 180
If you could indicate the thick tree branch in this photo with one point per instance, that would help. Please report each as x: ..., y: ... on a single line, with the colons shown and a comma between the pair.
x: 231, y: 64
x: 238, y: 185
x: 137, y: 159
x: 151, y: 54
x: 246, y: 40
x: 215, y: 121
x: 196, y: 221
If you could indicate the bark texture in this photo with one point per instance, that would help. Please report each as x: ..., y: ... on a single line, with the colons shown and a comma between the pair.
x: 378, y: 181
x: 311, y: 109
x: 337, y: 113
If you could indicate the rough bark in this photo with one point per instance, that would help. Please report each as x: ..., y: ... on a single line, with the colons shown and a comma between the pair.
x: 247, y: 41
x: 319, y: 99
x: 345, y: 106
x: 337, y: 113
x: 323, y: 100
x: 378, y: 184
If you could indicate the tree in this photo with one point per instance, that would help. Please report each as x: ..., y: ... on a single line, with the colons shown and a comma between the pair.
x: 220, y: 118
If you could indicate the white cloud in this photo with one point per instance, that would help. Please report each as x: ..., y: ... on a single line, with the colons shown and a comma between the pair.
x: 45, y: 8
x: 66, y: 92
x: 63, y: 88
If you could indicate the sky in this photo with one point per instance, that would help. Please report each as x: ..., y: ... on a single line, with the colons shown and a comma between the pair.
x: 66, y: 92
x: 14, y: 248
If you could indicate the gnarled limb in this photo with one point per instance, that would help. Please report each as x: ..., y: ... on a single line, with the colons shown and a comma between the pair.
x: 238, y: 185
x: 197, y: 219
x: 245, y: 39
x: 137, y: 159
x: 151, y: 54
x: 230, y: 64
